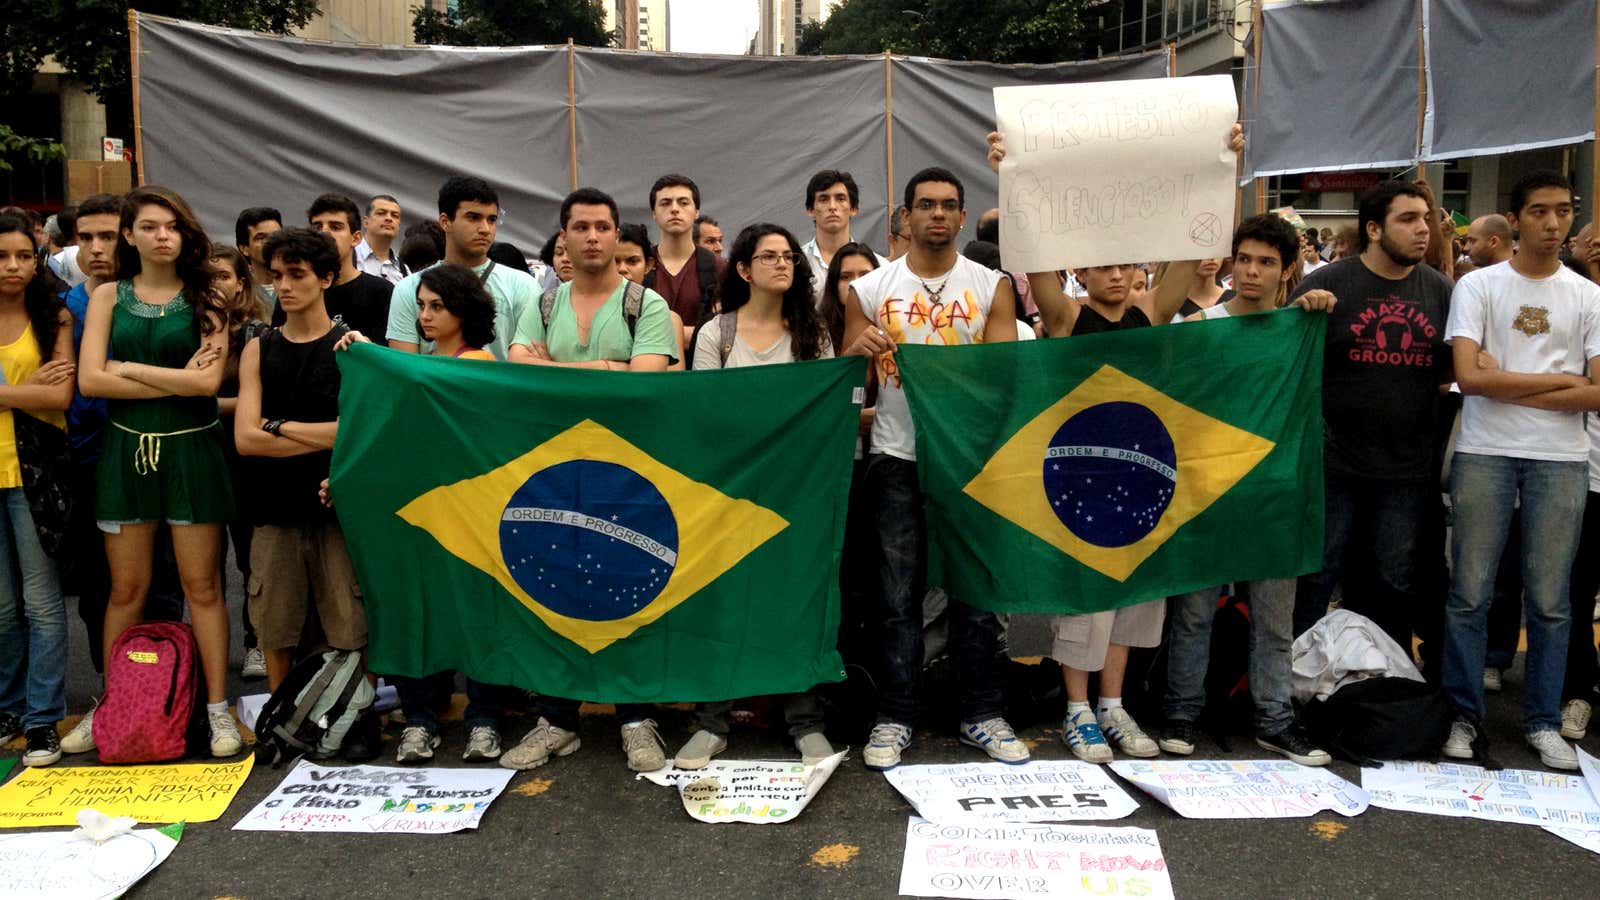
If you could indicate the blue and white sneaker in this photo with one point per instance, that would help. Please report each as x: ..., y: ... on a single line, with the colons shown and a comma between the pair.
x: 884, y: 745
x: 995, y: 737
x: 1083, y: 737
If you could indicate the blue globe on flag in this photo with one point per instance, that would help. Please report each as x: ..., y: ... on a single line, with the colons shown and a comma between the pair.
x: 589, y: 540
x: 1109, y: 473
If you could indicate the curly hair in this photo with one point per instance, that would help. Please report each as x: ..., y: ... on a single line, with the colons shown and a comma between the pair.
x: 193, y: 253
x: 806, y: 329
x: 465, y: 298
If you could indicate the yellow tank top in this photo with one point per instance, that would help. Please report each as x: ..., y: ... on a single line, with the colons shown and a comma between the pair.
x: 19, y: 360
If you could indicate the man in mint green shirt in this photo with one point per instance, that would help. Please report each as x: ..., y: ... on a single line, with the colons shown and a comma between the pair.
x: 588, y: 325
x: 469, y: 213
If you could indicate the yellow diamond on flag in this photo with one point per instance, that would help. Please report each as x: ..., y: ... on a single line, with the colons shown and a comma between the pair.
x: 591, y: 534
x: 1113, y: 469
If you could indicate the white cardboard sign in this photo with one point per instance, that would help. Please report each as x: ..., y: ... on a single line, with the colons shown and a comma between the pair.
x: 1250, y: 789
x: 1116, y: 172
x: 1036, y: 791
x: 1014, y: 860
x: 1466, y: 791
x: 760, y: 792
x: 47, y: 865
x: 377, y: 800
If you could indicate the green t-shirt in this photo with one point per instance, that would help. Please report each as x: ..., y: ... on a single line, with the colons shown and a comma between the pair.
x: 608, y: 334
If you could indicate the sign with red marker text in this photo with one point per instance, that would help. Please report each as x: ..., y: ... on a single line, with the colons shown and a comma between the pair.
x: 1015, y: 860
x: 1250, y: 789
x: 377, y: 800
x: 1037, y: 791
x: 192, y: 792
x: 759, y: 792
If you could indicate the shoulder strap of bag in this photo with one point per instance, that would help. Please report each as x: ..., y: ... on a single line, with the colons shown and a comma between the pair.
x: 547, y: 308
x: 727, y: 330
x: 632, y: 305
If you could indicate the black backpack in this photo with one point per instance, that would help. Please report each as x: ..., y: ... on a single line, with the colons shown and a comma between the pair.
x: 1381, y: 719
x: 314, y: 708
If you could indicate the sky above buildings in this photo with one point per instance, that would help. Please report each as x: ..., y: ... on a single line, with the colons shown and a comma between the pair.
x: 712, y: 26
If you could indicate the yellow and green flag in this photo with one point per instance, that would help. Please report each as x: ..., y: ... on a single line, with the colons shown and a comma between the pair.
x: 612, y: 537
x: 1088, y: 473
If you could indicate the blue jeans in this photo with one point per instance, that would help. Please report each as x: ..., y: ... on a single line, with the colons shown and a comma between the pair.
x: 33, y: 621
x: 1484, y: 491
x: 421, y: 698
x: 974, y: 634
x: 1380, y: 573
x: 1189, y: 652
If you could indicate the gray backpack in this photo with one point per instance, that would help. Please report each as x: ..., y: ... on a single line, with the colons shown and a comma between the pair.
x: 314, y: 708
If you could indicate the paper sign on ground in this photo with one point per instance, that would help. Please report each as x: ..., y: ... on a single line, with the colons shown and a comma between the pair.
x: 55, y: 864
x: 761, y: 792
x: 1015, y: 860
x: 189, y: 792
x: 1116, y: 171
x: 1467, y: 791
x: 1586, y: 837
x: 1036, y: 791
x: 1253, y: 789
x: 377, y: 800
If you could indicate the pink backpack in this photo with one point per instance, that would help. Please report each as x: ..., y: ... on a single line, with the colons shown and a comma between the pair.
x: 152, y: 680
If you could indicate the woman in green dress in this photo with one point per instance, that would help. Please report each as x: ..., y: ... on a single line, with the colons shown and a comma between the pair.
x: 154, y: 344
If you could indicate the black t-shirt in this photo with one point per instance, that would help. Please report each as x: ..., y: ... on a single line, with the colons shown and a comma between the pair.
x: 1091, y: 322
x: 362, y: 303
x: 299, y: 383
x: 1384, y: 361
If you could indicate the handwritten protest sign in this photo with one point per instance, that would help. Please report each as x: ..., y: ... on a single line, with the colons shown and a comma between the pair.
x: 377, y: 800
x: 1256, y: 789
x: 56, y: 864
x: 1587, y: 837
x: 1467, y: 791
x: 194, y: 792
x: 1036, y: 791
x: 1006, y: 860
x: 761, y: 792
x: 1115, y: 172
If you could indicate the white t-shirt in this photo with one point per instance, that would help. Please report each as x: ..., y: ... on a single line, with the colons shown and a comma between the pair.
x: 1307, y: 266
x: 1593, y: 419
x: 1532, y: 326
x: 708, y: 349
x: 898, y: 302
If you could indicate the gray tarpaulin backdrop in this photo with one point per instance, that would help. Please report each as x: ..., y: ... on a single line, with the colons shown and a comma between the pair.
x: 232, y: 119
x: 1339, y: 81
x: 1508, y: 75
x: 1338, y: 88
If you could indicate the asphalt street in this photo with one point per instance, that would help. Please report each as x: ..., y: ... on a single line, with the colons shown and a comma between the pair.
x: 583, y: 827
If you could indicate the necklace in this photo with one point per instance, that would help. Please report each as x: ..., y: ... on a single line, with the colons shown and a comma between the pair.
x: 934, y: 293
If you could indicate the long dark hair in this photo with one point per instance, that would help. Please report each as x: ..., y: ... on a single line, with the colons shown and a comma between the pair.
x: 192, y: 256
x: 464, y: 297
x: 39, y: 298
x: 832, y: 307
x: 806, y: 330
x: 248, y: 305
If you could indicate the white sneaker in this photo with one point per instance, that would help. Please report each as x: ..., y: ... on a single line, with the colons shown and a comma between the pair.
x: 1491, y: 680
x: 416, y: 745
x: 1575, y: 719
x: 646, y: 751
x: 995, y: 737
x: 1554, y: 751
x: 255, y: 665
x: 483, y: 743
x: 884, y: 745
x: 538, y: 745
x: 81, y: 738
x: 813, y: 747
x: 1083, y: 737
x: 697, y: 753
x: 1119, y: 726
x: 1459, y: 744
x: 225, y: 740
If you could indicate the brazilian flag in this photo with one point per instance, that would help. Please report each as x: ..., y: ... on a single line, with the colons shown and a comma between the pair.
x: 603, y: 536
x: 1087, y: 473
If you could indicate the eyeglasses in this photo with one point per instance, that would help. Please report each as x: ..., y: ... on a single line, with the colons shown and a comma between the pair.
x: 772, y: 258
x: 927, y: 205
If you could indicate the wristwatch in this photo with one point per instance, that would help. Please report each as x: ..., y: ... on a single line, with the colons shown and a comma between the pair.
x: 272, y: 426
